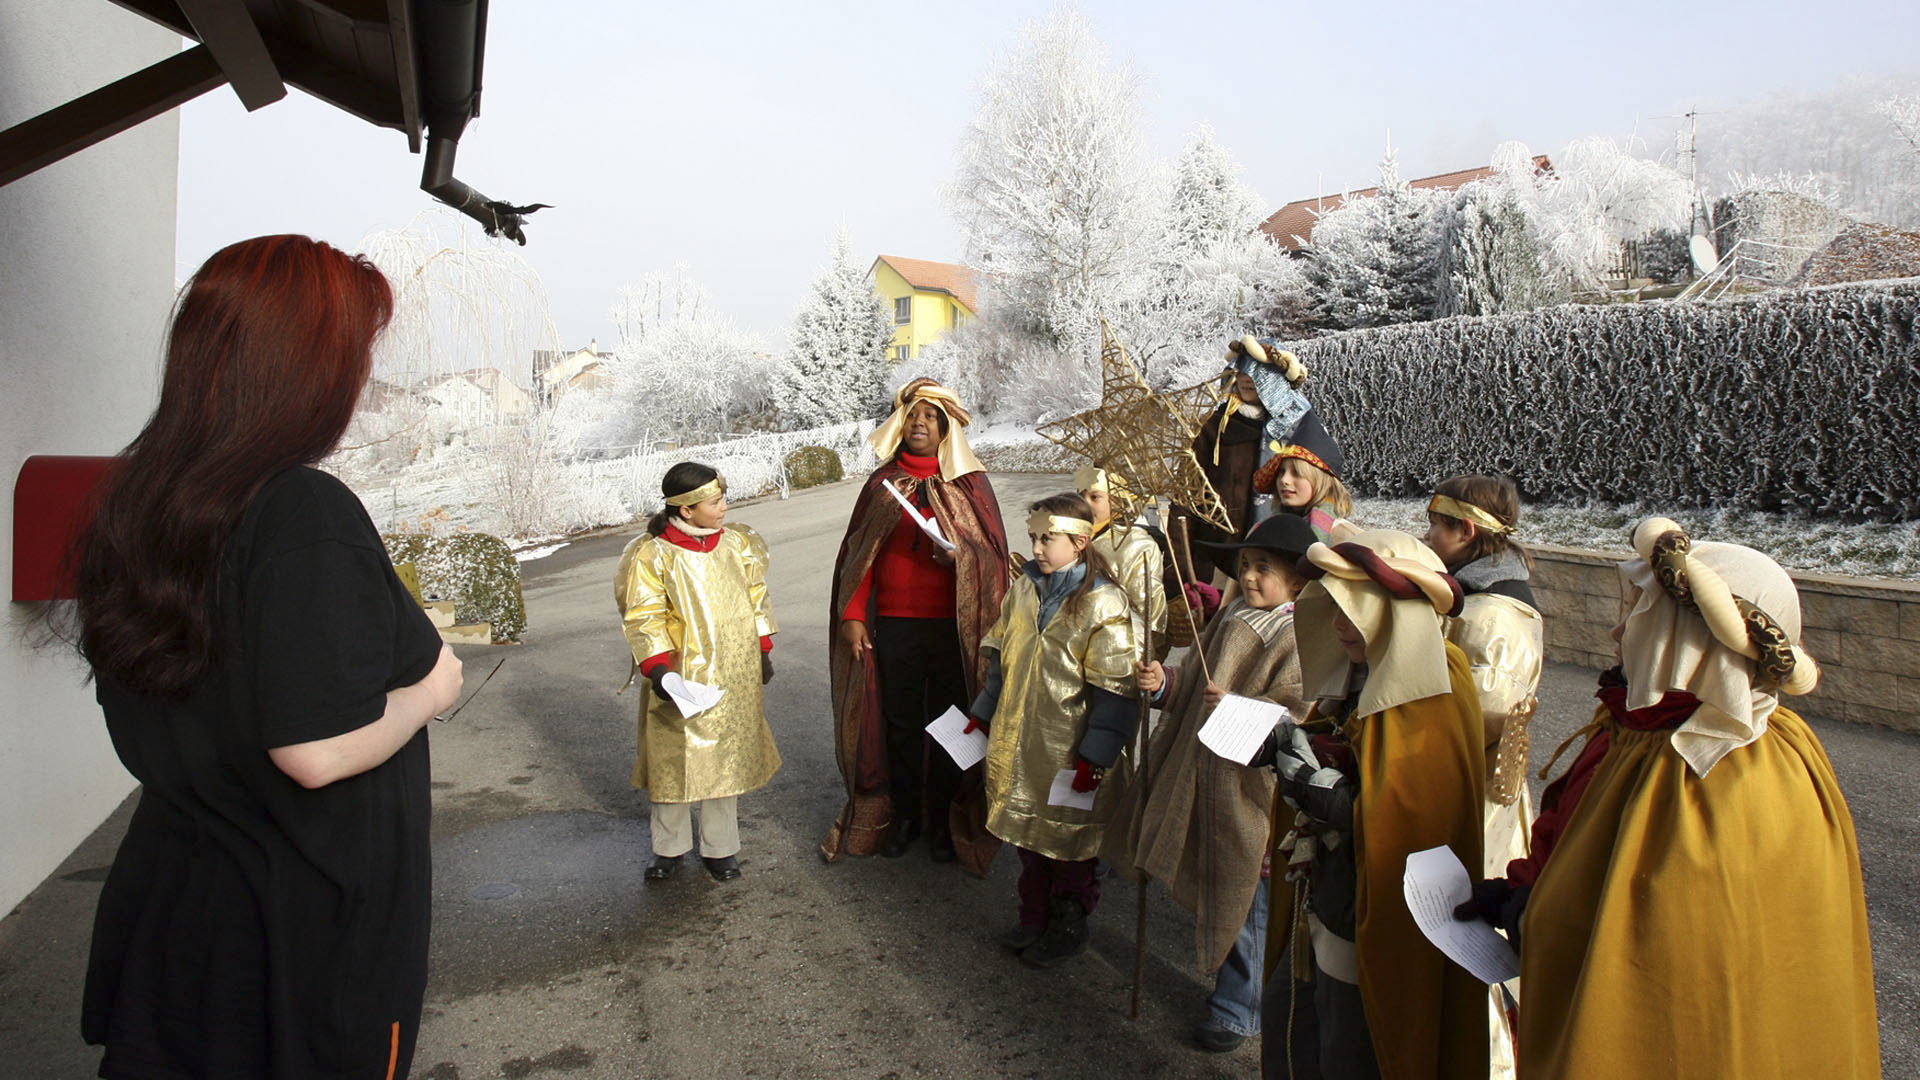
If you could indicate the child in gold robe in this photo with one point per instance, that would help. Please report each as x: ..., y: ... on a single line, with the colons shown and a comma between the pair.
x: 693, y: 602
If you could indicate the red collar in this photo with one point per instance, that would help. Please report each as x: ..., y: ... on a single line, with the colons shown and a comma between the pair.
x: 916, y: 466
x: 674, y: 536
x: 1670, y: 711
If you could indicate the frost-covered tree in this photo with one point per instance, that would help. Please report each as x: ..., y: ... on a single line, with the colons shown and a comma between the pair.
x: 1050, y: 185
x: 835, y: 367
x: 1597, y: 197
x: 1210, y: 205
x: 1377, y: 260
x: 1492, y: 263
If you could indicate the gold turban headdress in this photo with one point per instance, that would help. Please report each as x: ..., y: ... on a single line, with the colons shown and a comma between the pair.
x: 955, y: 456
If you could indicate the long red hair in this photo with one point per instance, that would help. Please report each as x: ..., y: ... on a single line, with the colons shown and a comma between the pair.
x: 269, y: 347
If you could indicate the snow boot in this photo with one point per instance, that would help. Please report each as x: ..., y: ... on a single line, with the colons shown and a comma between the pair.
x: 1066, y: 935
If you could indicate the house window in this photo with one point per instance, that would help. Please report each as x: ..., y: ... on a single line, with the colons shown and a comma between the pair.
x: 902, y: 353
x: 903, y: 310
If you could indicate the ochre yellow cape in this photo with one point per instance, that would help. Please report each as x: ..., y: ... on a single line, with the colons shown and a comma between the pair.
x: 1697, y: 926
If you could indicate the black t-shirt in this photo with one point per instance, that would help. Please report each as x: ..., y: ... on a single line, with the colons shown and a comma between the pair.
x: 251, y: 927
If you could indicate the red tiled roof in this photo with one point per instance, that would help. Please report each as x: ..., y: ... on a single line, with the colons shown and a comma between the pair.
x: 1293, y: 223
x: 954, y: 280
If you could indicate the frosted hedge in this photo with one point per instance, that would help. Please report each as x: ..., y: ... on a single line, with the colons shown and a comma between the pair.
x: 1805, y: 401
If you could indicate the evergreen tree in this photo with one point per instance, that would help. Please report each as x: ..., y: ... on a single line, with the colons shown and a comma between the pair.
x: 1377, y: 260
x: 835, y: 367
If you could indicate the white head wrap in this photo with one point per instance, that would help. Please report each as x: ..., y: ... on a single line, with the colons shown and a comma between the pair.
x: 1406, y: 651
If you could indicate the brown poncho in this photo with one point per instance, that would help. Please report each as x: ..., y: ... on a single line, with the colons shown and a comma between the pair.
x: 968, y: 515
x: 1205, y: 832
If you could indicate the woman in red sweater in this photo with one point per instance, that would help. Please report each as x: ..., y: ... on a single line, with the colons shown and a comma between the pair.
x: 910, y: 615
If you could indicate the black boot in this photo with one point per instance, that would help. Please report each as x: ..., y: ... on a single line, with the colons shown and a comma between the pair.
x: 725, y: 868
x: 940, y: 841
x: 900, y: 836
x: 1021, y: 937
x: 1066, y: 935
x: 662, y: 867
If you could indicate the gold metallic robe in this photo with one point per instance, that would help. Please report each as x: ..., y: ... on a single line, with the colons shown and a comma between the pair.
x: 1136, y: 558
x: 1693, y: 926
x: 710, y: 610
x: 1042, y: 714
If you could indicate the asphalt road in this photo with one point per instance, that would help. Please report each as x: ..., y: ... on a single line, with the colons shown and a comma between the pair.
x: 551, y: 957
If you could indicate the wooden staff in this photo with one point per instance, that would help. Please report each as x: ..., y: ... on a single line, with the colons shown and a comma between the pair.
x: 1184, y: 575
x: 1140, y: 804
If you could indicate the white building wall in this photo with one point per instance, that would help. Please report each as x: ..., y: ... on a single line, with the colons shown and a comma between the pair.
x: 86, y: 278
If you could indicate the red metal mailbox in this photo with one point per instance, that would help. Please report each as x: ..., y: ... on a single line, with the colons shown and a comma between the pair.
x: 51, y: 500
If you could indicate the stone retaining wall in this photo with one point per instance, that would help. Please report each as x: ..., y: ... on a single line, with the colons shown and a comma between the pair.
x: 1865, y: 632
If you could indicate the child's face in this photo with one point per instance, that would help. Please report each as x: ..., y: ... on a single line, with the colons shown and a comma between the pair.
x: 1267, y: 580
x: 709, y: 514
x: 1102, y: 505
x: 1350, y: 639
x: 1295, y: 485
x: 1448, y: 537
x: 1056, y: 551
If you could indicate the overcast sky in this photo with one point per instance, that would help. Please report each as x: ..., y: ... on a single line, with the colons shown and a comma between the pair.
x: 736, y: 138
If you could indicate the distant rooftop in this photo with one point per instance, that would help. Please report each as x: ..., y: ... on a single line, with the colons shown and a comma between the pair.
x: 950, y: 278
x: 1291, y: 226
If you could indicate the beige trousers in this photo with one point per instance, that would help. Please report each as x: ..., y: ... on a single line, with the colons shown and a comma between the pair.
x: 719, y: 828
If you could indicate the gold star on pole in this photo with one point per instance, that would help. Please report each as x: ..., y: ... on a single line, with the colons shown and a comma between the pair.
x: 1144, y: 437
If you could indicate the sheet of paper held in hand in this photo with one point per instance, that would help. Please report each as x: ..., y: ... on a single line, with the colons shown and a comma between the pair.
x: 966, y: 748
x: 1238, y: 725
x: 691, y: 698
x: 925, y: 521
x: 1435, y: 884
x: 1063, y: 794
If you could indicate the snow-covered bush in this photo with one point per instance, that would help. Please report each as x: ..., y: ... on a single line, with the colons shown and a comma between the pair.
x: 811, y: 466
x: 1492, y: 264
x: 475, y: 571
x: 835, y: 368
x: 1807, y: 402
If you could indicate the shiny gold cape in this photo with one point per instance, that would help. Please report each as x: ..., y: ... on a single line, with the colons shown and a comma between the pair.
x: 1421, y: 767
x: 1206, y: 826
x: 1701, y: 926
x: 710, y: 609
x: 1136, y: 558
x: 1042, y: 714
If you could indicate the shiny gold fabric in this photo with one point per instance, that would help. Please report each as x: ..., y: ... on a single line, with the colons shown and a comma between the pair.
x: 1420, y: 769
x: 1502, y: 639
x: 1205, y: 831
x: 1141, y: 567
x: 1042, y: 714
x: 710, y: 610
x: 1702, y: 926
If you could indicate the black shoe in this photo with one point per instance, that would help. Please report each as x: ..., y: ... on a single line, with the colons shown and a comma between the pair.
x: 940, y: 846
x: 1065, y: 938
x: 662, y: 867
x: 900, y: 836
x: 1020, y: 937
x: 1216, y: 1040
x: 722, y: 869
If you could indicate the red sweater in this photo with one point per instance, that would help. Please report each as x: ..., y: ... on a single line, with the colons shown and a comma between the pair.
x: 677, y: 538
x: 912, y: 585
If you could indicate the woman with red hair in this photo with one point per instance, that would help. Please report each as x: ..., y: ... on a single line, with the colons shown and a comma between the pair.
x: 268, y: 680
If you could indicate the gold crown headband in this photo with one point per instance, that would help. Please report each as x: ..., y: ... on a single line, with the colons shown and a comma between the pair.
x: 1451, y: 507
x: 1735, y: 621
x: 1040, y: 523
x: 708, y: 490
x: 1094, y: 478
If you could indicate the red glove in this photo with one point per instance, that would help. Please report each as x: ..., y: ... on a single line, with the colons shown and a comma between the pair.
x: 1086, y: 775
x: 974, y: 724
x: 1203, y: 598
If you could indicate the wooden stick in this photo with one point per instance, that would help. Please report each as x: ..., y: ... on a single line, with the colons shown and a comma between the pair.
x: 1140, y: 806
x: 1180, y: 526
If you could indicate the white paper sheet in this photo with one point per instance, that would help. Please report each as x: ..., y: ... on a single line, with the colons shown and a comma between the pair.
x: 964, y: 747
x: 1238, y: 725
x: 1063, y: 794
x: 691, y: 698
x: 1435, y: 884
x: 926, y: 523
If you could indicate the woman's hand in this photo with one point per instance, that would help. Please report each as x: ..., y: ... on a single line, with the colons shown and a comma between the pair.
x: 443, y: 683
x: 1212, y: 695
x: 854, y: 633
x: 1149, y: 677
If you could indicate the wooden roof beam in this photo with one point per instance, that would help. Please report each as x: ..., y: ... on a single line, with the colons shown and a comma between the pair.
x: 227, y: 28
x: 68, y: 129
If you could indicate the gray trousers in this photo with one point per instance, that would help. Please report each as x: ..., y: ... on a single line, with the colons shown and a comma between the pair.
x: 719, y: 828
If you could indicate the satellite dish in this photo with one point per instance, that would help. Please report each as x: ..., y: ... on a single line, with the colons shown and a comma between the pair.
x: 1705, y: 258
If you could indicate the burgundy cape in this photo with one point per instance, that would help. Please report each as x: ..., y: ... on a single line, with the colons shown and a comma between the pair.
x: 968, y: 515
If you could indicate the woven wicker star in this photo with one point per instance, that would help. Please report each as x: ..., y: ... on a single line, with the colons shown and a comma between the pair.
x: 1146, y: 438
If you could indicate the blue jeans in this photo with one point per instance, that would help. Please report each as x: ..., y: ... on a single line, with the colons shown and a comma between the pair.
x: 1235, y: 1001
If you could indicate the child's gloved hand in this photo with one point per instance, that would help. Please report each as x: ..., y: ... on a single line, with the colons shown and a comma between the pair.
x: 1203, y: 598
x: 655, y: 676
x: 974, y: 724
x: 1086, y: 775
x: 766, y: 668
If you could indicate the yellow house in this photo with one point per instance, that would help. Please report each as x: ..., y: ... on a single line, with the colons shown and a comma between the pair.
x: 927, y: 299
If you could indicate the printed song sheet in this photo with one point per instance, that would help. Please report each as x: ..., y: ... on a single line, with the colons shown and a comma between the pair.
x: 1063, y: 794
x: 1435, y: 884
x: 926, y: 522
x: 1238, y: 725
x: 691, y: 698
x: 966, y: 748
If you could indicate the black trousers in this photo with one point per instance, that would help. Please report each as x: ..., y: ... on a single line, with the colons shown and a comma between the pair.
x: 922, y: 673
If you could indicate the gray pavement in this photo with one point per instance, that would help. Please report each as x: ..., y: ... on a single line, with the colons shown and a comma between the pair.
x: 551, y: 957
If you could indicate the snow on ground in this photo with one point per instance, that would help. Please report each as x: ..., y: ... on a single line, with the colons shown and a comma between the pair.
x: 530, y: 554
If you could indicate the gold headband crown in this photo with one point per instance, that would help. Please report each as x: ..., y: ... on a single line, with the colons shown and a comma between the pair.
x: 715, y: 486
x: 1460, y: 510
x: 1041, y: 522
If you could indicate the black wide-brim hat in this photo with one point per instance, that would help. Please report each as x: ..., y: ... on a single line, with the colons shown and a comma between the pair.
x: 1287, y: 535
